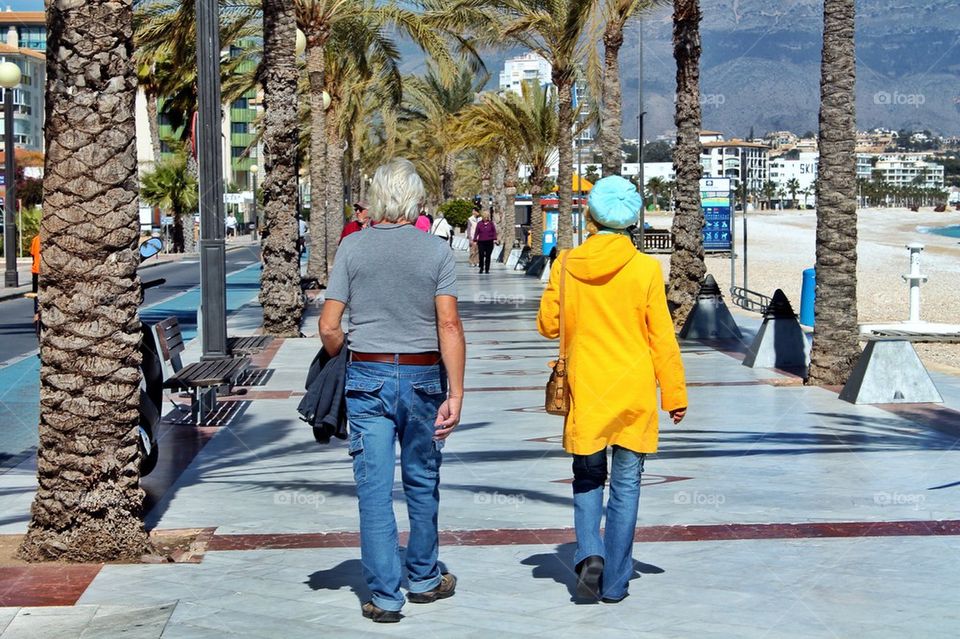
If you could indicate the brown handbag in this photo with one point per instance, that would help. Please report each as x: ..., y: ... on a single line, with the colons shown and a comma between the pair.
x: 558, y: 386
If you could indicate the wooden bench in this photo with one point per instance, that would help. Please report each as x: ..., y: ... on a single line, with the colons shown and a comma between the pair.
x: 248, y: 345
x: 201, y: 379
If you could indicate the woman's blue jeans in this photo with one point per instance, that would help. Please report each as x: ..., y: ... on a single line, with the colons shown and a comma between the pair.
x: 616, y: 543
x: 386, y: 403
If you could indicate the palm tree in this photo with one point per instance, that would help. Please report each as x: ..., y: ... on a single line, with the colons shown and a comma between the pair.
x: 616, y: 13
x: 793, y: 187
x: 430, y: 108
x: 769, y: 190
x: 835, y: 342
x: 317, y: 19
x: 89, y: 503
x: 174, y: 188
x: 656, y: 186
x: 555, y: 31
x: 166, y: 54
x: 686, y: 262
x: 525, y: 126
x: 280, y: 294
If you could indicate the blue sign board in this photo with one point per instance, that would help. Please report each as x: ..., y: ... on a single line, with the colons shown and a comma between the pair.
x: 717, y: 209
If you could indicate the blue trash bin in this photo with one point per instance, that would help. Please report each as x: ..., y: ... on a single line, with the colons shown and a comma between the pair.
x: 807, y: 293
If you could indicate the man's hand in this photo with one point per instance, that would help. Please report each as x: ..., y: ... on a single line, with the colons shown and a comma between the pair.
x: 447, y: 418
x: 678, y: 414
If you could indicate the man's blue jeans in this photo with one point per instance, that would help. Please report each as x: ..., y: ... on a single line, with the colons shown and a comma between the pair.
x: 386, y: 403
x: 616, y: 543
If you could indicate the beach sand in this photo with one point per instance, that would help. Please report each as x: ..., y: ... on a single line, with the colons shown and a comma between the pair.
x: 782, y: 244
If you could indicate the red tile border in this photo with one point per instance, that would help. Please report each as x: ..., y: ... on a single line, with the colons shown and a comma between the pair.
x: 524, y: 536
x: 45, y: 584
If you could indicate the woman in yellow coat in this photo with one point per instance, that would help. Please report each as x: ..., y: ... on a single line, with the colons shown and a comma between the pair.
x: 620, y: 345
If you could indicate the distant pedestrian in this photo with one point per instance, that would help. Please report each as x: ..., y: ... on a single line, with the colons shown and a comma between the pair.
x: 423, y: 223
x: 485, y: 236
x: 442, y: 229
x: 231, y: 223
x: 35, y: 280
x: 620, y: 345
x: 302, y: 231
x: 472, y: 222
x: 360, y: 221
x: 404, y: 382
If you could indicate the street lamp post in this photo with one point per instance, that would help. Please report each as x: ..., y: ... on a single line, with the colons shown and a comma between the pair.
x: 254, y: 169
x: 213, y: 284
x: 640, y: 114
x: 9, y: 78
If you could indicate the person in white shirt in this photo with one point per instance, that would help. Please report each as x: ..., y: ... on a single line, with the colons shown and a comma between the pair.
x: 472, y: 222
x: 441, y: 228
x: 231, y: 222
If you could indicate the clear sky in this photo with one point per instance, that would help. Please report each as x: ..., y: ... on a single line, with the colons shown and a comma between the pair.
x: 22, y: 5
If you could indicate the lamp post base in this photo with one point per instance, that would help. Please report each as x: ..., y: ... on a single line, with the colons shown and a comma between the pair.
x: 11, y: 279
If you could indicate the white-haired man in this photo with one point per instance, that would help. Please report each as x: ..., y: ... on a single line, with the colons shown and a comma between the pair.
x: 404, y: 382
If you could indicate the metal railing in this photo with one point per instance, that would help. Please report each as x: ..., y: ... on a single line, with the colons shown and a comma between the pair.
x: 749, y: 300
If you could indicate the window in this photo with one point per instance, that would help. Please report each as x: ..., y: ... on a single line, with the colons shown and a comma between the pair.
x: 239, y: 127
x: 240, y: 103
x: 237, y: 151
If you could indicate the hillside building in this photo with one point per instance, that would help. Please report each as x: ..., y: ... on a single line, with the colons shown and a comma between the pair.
x: 901, y: 169
x: 739, y: 160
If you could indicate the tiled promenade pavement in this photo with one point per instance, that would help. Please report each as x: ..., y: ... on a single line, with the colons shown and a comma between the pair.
x: 773, y: 510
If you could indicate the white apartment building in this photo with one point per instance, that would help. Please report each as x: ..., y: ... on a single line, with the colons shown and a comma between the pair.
x: 803, y: 170
x: 662, y: 170
x: 901, y: 169
x: 524, y: 68
x: 735, y: 159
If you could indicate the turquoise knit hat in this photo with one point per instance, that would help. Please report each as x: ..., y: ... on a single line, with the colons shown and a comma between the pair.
x: 614, y: 202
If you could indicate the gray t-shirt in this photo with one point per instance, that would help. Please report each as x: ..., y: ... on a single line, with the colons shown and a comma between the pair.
x: 389, y: 275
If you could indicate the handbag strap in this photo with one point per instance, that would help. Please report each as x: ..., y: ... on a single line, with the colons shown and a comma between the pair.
x: 563, y: 291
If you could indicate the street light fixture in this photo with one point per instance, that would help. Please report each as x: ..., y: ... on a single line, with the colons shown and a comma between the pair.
x: 9, y: 78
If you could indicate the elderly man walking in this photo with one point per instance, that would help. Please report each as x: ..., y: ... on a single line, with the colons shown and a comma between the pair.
x: 404, y: 382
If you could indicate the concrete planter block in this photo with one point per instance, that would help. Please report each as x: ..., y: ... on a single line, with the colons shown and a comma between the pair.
x: 890, y: 372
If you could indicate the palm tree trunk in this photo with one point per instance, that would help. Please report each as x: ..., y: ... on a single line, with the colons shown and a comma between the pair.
x: 88, y: 505
x: 611, y: 119
x: 334, y: 216
x: 317, y: 256
x: 486, y: 173
x: 447, y: 176
x: 835, y: 342
x: 280, y: 294
x: 500, y: 199
x: 536, y: 214
x: 153, y: 116
x: 564, y: 83
x: 510, y: 196
x: 686, y: 262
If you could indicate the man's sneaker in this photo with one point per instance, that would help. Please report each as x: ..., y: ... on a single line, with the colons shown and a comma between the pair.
x: 379, y: 615
x: 589, y: 572
x: 446, y: 588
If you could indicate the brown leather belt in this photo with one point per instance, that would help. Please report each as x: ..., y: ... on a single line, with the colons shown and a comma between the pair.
x: 407, y: 359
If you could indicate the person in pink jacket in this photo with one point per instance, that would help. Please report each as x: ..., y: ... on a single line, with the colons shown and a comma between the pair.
x: 423, y: 223
x: 485, y: 236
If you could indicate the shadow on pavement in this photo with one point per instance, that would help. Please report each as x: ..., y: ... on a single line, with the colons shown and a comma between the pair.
x: 559, y: 566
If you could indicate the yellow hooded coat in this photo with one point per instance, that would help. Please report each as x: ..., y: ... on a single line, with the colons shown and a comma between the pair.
x: 620, y: 344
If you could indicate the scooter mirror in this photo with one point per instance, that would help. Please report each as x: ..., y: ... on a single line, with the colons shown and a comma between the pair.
x: 151, y: 247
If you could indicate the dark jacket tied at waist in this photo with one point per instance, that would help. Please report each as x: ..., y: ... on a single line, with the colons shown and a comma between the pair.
x: 324, y: 406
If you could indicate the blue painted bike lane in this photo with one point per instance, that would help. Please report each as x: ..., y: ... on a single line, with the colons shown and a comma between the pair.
x: 20, y: 381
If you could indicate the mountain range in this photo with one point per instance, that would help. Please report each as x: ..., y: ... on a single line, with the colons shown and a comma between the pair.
x: 760, y: 66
